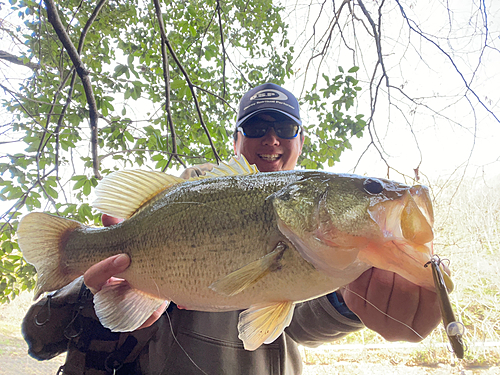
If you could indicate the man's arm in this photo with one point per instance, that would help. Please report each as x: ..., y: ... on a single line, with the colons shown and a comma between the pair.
x: 396, y: 309
x: 317, y: 321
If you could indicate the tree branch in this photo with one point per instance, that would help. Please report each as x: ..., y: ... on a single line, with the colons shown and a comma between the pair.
x: 216, y: 96
x: 467, y: 86
x: 83, y: 73
x: 13, y: 94
x: 17, y: 60
x: 195, y: 99
x: 83, y: 34
x: 151, y: 151
x: 223, y: 51
x: 166, y: 78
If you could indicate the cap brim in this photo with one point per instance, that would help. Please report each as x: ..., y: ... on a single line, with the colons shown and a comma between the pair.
x: 250, y: 115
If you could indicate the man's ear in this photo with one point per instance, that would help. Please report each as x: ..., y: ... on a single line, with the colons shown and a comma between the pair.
x: 302, y: 139
x: 236, y: 146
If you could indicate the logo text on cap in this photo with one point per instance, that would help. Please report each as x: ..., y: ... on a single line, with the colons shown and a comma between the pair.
x: 269, y: 94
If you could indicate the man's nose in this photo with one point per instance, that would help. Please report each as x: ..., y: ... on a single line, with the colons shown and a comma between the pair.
x: 270, y: 138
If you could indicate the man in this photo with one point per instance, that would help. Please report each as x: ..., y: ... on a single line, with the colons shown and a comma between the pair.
x: 269, y: 134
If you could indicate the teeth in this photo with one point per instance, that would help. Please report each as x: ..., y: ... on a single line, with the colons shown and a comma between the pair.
x: 272, y: 157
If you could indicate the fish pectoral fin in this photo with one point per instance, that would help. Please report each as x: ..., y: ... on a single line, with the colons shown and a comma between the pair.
x: 122, y: 308
x: 263, y: 323
x: 248, y: 275
x: 122, y: 193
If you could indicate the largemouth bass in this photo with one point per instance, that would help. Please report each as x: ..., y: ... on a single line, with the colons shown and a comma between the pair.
x: 236, y: 240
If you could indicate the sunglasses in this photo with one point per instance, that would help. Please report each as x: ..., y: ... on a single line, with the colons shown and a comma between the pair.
x: 287, y: 129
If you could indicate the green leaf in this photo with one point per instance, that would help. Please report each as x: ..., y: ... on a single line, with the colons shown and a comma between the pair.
x: 50, y: 191
x: 87, y: 188
x: 120, y: 70
x: 178, y: 83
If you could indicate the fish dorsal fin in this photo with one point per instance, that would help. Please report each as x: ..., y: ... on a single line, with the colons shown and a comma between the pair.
x: 120, y: 194
x: 236, y: 167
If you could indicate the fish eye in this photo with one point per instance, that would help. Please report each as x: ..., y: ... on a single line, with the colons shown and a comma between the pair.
x: 373, y: 186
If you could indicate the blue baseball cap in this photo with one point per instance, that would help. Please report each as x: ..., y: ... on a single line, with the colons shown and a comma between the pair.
x: 268, y: 97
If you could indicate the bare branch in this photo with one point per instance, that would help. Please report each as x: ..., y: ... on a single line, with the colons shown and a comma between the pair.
x: 328, y: 35
x: 417, y: 30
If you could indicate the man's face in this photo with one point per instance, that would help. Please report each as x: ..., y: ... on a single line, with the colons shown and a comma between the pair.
x: 269, y: 153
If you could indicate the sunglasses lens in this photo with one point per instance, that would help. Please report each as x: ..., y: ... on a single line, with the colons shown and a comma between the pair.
x: 283, y: 129
x: 255, y: 131
x: 286, y: 130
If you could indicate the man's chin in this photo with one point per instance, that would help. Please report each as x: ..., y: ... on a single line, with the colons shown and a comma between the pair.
x: 269, y: 167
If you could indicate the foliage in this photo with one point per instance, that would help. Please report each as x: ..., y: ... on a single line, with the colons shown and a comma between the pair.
x: 222, y: 48
x: 330, y: 136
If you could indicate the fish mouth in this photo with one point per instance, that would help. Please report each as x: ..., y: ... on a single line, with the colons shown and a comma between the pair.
x: 410, y: 218
x: 269, y: 157
x: 407, y: 235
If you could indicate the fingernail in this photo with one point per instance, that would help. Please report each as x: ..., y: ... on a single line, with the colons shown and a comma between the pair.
x: 121, y: 260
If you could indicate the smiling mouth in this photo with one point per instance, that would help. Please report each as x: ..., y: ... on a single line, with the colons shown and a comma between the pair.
x: 270, y: 157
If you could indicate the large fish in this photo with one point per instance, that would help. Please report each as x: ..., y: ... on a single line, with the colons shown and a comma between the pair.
x: 238, y: 239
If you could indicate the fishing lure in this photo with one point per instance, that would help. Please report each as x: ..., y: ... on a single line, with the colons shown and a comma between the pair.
x: 454, y: 329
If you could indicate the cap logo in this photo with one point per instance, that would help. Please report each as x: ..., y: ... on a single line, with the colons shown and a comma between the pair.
x: 269, y: 94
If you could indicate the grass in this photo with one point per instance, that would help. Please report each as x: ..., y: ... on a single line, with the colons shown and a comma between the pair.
x: 467, y: 227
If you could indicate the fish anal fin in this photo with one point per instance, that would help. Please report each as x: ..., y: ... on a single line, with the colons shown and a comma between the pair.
x: 122, y: 308
x: 248, y: 275
x: 120, y: 194
x: 263, y: 323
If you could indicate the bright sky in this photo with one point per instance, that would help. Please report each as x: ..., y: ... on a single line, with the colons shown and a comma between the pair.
x: 452, y: 132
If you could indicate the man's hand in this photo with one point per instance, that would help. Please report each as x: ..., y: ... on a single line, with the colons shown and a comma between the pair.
x: 399, y: 304
x: 99, y: 274
x: 107, y: 220
x: 197, y: 170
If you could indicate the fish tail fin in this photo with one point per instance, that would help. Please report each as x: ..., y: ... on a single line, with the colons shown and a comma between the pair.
x: 41, y: 238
